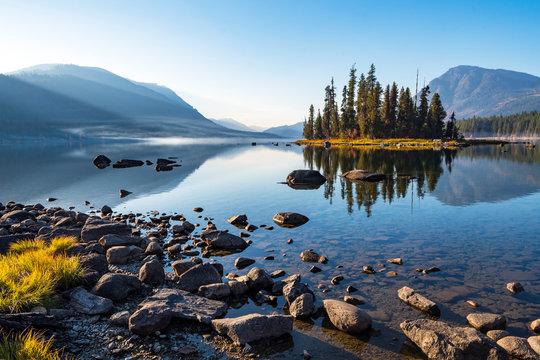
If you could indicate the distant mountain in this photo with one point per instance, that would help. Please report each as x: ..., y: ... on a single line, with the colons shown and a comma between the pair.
x: 232, y: 124
x: 55, y: 100
x: 472, y: 90
x: 294, y: 131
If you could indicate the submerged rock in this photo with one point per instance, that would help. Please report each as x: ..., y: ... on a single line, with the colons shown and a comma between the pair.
x: 410, y: 297
x: 290, y: 219
x: 238, y: 221
x: 363, y: 175
x: 347, y: 317
x: 514, y: 287
x: 441, y: 341
x: 253, y: 327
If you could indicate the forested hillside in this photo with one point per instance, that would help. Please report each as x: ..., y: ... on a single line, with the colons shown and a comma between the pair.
x: 523, y: 124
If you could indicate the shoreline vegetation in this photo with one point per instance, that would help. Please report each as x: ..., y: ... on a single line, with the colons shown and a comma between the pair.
x: 404, y: 144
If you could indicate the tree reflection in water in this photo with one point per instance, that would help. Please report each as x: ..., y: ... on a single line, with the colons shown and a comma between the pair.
x: 401, y: 168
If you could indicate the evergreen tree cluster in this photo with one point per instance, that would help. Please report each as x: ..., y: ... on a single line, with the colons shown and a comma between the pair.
x: 369, y: 111
x: 523, y: 124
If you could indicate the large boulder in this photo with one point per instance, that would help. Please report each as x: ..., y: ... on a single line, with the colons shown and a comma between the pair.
x: 363, y: 175
x: 152, y: 273
x: 534, y: 343
x: 485, y: 322
x: 95, y: 228
x: 215, y: 291
x: 410, y: 297
x: 347, y: 317
x: 305, y: 179
x: 253, y: 327
x: 156, y: 312
x: 197, y: 276
x: 293, y: 288
x: 86, y: 303
x: 302, y: 306
x: 111, y: 240
x: 181, y: 266
x: 101, y: 161
x: 116, y: 286
x: 258, y: 278
x: 218, y: 239
x: 290, y: 219
x: 518, y: 348
x: 441, y: 341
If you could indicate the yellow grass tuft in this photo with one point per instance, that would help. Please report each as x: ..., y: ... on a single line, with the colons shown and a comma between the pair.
x: 28, y: 345
x: 32, y: 271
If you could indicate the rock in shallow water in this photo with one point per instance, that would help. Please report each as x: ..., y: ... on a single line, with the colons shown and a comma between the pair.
x: 363, y: 175
x: 223, y: 240
x: 442, y: 341
x: 290, y: 219
x: 347, y: 317
x: 514, y: 287
x: 410, y: 297
x: 248, y: 328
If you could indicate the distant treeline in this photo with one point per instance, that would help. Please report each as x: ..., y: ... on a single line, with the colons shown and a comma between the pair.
x: 523, y: 124
x: 368, y: 111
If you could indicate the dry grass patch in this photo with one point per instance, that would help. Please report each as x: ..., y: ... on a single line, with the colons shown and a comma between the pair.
x: 32, y: 271
x: 28, y: 345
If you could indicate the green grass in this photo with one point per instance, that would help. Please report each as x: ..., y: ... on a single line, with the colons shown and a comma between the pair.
x: 28, y: 345
x: 32, y: 271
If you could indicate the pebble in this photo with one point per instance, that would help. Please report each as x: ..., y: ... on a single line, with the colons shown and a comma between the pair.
x: 472, y: 303
x: 368, y: 270
x: 314, y: 269
x: 397, y: 261
x: 290, y: 241
x: 351, y: 289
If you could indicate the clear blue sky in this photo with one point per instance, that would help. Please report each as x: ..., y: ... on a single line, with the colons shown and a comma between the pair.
x: 264, y: 62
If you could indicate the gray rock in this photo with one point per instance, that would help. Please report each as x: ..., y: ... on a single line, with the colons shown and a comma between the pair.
x: 277, y: 288
x: 497, y: 335
x: 118, y: 255
x: 258, y: 278
x: 253, y: 327
x: 93, y: 261
x: 154, y: 249
x: 410, y: 297
x: 312, y: 257
x: 243, y: 262
x: 290, y: 219
x: 181, y: 266
x: 101, y: 161
x: 17, y: 216
x: 120, y: 319
x: 238, y: 288
x: 238, y: 221
x: 152, y: 273
x: 215, y: 291
x: 264, y: 296
x: 301, y: 177
x: 485, y: 321
x: 116, y: 286
x: 108, y: 241
x: 294, y: 288
x: 86, y: 303
x: 277, y: 274
x: 223, y: 240
x: 302, y: 306
x: 347, y: 317
x: 197, y: 276
x: 156, y: 312
x: 514, y: 287
x: 518, y: 347
x: 441, y: 341
x: 185, y: 229
x: 534, y: 343
x: 95, y: 228
x: 354, y: 299
x: 106, y: 210
x: 363, y: 175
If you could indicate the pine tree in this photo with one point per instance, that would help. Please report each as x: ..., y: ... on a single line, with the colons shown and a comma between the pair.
x: 330, y: 119
x: 450, y: 127
x: 406, y: 117
x: 348, y: 119
x: 392, y: 110
x: 361, y: 105
x: 385, y: 114
x: 423, y: 129
x: 436, y: 117
x: 308, y: 125
x: 343, y: 130
x: 318, y: 127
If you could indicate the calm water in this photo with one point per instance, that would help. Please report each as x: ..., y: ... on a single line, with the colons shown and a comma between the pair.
x: 474, y: 213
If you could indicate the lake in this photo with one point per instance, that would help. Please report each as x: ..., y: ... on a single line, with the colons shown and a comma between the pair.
x: 472, y: 212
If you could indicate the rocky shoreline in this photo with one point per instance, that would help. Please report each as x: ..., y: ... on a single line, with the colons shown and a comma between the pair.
x: 129, y: 307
